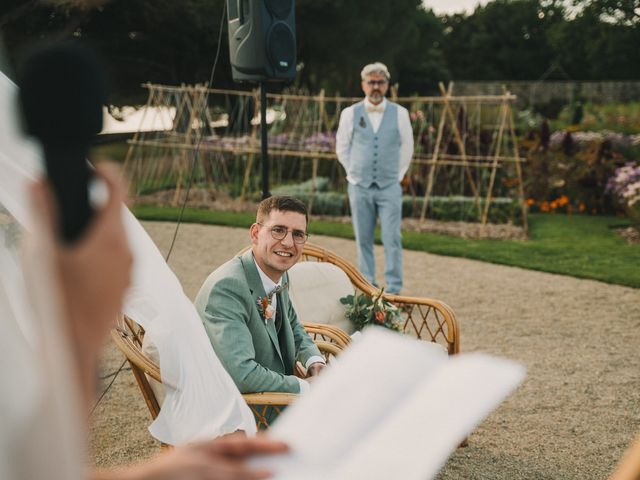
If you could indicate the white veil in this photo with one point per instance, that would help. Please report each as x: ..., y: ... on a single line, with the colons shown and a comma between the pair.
x: 205, y: 403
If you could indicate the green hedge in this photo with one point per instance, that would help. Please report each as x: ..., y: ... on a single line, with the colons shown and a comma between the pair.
x: 458, y: 208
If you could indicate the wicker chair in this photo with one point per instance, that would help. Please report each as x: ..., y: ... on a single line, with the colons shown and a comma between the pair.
x: 128, y: 337
x: 629, y: 466
x: 424, y: 318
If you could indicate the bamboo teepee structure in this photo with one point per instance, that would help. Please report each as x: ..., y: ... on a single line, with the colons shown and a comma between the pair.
x: 465, y: 146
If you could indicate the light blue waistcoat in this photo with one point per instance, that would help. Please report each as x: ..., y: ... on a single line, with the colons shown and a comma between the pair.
x: 374, y: 157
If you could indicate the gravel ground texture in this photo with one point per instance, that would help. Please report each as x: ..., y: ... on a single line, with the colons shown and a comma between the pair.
x: 572, y: 418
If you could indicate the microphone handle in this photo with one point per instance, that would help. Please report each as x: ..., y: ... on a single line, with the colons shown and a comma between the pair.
x: 69, y: 175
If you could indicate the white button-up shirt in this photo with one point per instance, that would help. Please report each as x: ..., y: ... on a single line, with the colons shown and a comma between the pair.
x: 269, y: 285
x: 345, y: 134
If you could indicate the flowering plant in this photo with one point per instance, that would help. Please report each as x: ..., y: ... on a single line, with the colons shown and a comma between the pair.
x: 625, y: 186
x: 265, y: 308
x: 363, y: 310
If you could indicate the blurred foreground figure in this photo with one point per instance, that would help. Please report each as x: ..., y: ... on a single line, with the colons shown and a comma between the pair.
x: 57, y: 304
x: 44, y: 406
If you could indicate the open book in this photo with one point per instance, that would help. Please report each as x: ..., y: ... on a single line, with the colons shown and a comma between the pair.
x: 390, y: 407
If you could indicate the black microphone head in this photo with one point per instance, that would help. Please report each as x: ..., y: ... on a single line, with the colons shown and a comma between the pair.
x: 62, y: 91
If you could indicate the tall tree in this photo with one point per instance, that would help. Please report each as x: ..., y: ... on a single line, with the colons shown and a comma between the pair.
x: 502, y: 40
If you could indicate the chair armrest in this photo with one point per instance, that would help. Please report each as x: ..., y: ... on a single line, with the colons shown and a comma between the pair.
x: 269, y: 398
x: 327, y: 333
x: 429, y: 319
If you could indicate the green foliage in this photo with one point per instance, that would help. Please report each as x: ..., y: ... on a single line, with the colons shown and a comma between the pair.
x: 363, y: 311
x: 455, y: 208
x: 501, y: 40
x: 580, y: 246
x: 612, y: 117
x: 164, y: 41
x: 465, y: 209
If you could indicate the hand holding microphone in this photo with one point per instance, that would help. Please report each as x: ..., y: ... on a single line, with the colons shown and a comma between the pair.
x: 62, y: 91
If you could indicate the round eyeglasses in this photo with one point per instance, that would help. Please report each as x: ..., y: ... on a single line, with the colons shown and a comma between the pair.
x: 279, y: 232
x: 374, y: 83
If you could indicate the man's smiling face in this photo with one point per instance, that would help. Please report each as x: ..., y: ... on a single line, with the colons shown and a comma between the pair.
x: 275, y: 257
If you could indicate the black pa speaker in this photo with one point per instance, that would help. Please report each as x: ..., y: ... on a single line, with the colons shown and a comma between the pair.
x: 262, y: 40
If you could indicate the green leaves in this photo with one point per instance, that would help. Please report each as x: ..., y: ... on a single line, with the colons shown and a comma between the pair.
x: 363, y: 311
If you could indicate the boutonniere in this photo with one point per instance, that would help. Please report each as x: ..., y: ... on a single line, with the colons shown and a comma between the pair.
x: 265, y: 308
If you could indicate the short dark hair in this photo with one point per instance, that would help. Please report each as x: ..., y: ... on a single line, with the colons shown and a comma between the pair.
x: 282, y: 203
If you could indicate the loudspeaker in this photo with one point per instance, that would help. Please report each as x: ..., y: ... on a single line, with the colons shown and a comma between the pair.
x: 262, y: 40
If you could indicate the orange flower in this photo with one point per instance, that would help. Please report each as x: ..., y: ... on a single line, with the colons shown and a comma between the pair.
x: 581, y: 207
x: 544, y: 206
x: 380, y: 317
x: 563, y: 200
x: 531, y: 201
x: 554, y: 204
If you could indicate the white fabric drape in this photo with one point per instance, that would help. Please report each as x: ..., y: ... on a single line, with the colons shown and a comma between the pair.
x: 205, y: 403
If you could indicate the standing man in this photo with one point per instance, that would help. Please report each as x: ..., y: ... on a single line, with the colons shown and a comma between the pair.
x: 246, y: 309
x: 374, y: 144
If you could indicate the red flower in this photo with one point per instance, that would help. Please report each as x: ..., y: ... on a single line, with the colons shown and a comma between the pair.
x: 380, y: 317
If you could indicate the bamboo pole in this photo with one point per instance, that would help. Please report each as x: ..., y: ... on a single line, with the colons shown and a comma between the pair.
x: 435, y: 99
x: 458, y: 138
x: 494, y: 165
x: 434, y: 158
x: 514, y: 139
x: 314, y: 161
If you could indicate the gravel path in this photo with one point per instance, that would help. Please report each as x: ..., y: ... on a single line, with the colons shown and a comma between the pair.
x: 576, y: 412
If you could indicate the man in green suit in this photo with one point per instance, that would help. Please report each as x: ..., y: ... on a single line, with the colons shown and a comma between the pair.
x: 246, y: 309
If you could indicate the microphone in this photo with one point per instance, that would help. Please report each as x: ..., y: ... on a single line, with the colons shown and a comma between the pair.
x: 62, y: 91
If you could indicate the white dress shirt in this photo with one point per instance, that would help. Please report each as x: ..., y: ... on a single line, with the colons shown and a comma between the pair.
x: 269, y: 285
x: 345, y: 133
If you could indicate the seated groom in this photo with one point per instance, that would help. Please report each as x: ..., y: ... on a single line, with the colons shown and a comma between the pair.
x: 246, y: 309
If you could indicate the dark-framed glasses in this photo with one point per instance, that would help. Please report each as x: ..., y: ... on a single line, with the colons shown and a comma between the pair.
x: 373, y: 83
x: 278, y: 232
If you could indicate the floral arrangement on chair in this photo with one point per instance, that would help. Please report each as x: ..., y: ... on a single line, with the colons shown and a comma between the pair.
x: 363, y: 310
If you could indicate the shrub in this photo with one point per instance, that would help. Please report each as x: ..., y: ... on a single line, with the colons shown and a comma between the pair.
x: 456, y: 208
x: 624, y: 184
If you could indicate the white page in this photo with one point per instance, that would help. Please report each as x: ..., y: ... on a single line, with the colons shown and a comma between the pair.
x: 393, y: 407
x: 415, y: 441
x: 371, y: 378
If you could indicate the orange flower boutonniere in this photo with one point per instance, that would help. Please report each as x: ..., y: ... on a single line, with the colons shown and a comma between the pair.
x: 265, y: 308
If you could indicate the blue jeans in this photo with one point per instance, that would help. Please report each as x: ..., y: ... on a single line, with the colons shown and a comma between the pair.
x: 386, y: 203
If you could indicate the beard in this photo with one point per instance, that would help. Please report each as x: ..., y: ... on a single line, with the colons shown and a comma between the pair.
x: 376, y: 96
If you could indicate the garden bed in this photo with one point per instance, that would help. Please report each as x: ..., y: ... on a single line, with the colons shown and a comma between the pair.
x: 208, y: 199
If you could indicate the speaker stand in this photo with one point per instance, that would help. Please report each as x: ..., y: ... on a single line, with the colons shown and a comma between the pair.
x: 264, y: 140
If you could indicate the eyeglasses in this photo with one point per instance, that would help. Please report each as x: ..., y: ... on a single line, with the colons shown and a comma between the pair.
x: 373, y: 83
x: 279, y: 232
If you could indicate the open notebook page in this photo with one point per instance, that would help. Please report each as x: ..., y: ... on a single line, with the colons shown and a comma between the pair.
x: 393, y: 407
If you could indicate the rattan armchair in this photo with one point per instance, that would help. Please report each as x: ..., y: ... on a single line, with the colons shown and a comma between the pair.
x: 424, y: 318
x: 128, y: 337
x: 629, y: 466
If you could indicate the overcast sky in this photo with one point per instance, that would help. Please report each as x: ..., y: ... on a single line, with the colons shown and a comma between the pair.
x: 453, y: 6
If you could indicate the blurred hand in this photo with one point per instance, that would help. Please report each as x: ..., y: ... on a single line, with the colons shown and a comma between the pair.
x: 220, y: 459
x: 315, y: 369
x: 93, y: 273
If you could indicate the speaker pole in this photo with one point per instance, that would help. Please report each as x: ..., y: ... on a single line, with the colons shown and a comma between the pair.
x: 264, y: 140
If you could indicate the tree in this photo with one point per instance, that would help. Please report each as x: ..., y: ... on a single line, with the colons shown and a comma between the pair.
x: 336, y: 39
x: 592, y: 47
x: 501, y: 40
x: 619, y: 12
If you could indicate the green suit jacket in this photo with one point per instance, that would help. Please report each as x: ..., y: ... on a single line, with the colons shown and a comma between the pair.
x: 247, y: 346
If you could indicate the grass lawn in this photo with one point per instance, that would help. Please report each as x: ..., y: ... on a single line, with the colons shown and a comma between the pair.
x: 580, y: 246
